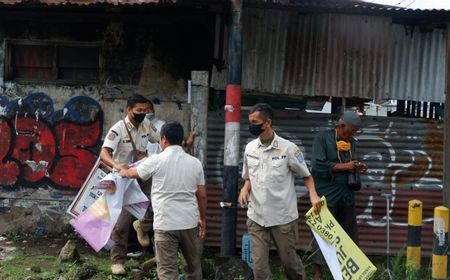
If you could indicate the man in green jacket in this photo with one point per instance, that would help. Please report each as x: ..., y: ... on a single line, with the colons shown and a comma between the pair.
x: 333, y: 160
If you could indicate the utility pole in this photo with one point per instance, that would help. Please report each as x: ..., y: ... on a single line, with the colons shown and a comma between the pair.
x: 232, y: 130
x: 446, y: 151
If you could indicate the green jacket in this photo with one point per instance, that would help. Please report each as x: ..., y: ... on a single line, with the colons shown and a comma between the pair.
x: 332, y: 185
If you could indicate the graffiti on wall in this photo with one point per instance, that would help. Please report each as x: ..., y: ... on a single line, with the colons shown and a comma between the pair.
x: 404, y: 160
x: 40, y: 145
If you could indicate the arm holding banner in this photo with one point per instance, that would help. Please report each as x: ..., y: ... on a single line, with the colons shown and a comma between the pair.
x: 313, y: 196
x: 129, y: 173
x: 105, y: 155
x: 297, y: 165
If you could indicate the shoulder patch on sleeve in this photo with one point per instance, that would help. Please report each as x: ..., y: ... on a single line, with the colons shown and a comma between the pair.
x: 298, y: 154
x: 113, y: 131
x: 111, y: 136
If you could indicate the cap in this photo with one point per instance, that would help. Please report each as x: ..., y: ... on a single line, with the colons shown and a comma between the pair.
x: 351, y: 118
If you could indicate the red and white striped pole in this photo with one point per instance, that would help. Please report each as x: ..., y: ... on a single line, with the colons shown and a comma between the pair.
x: 232, y: 130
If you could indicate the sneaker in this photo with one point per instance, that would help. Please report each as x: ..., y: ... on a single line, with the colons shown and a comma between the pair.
x: 118, y: 269
x: 142, y: 237
x: 134, y: 254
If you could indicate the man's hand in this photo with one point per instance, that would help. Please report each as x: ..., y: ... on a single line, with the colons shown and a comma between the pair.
x: 360, y: 167
x: 351, y: 165
x: 202, y: 228
x: 123, y: 172
x: 315, y: 202
x: 244, y: 197
x: 313, y: 197
x: 120, y: 166
x: 191, y: 138
x: 129, y: 173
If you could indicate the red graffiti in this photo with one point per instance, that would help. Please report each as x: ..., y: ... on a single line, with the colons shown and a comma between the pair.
x: 9, y: 170
x: 31, y: 151
x: 34, y: 144
x: 75, y: 162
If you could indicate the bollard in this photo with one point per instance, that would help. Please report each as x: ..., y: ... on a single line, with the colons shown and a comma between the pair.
x: 414, y: 251
x: 247, y: 250
x: 440, y: 243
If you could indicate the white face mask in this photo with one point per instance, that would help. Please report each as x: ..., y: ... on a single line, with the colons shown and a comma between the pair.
x: 150, y: 116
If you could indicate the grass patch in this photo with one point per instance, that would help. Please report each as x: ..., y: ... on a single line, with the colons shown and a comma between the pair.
x: 21, y: 266
x: 48, y: 267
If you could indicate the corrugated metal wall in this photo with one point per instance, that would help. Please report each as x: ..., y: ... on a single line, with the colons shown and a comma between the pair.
x: 404, y: 158
x: 289, y: 52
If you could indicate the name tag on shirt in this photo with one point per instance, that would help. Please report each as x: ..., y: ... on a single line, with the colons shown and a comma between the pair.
x: 279, y: 158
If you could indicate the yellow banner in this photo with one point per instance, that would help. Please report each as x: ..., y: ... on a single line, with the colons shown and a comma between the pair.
x: 353, y: 263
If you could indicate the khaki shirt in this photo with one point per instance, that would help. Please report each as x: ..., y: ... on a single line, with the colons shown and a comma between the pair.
x: 271, y: 171
x: 119, y: 141
x: 176, y: 176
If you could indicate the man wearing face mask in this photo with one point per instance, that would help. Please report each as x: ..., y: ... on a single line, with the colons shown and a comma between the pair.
x: 126, y: 142
x: 179, y: 204
x: 333, y: 158
x: 144, y: 227
x: 270, y: 166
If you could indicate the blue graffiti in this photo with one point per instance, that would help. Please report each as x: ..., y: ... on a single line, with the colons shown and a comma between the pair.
x: 79, y: 109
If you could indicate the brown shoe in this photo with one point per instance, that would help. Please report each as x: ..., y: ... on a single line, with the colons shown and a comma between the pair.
x: 118, y: 269
x: 148, y: 264
x: 142, y: 237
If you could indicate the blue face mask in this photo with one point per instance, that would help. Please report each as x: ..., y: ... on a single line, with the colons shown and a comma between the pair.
x: 256, y: 129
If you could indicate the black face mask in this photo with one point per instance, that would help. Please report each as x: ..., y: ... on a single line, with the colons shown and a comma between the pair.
x: 138, y: 117
x: 256, y: 129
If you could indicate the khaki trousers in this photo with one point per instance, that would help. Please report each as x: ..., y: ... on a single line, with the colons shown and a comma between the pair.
x: 167, y: 244
x: 120, y: 232
x: 284, y: 237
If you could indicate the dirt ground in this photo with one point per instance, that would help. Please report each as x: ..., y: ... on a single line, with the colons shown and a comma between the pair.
x: 50, y: 246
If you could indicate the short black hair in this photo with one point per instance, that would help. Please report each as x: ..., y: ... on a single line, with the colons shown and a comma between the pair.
x: 173, y: 131
x: 136, y: 98
x: 264, y: 108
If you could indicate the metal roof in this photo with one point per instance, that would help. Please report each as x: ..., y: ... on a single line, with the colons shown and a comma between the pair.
x: 339, y: 5
x: 87, y: 2
x: 342, y: 55
x: 323, y: 5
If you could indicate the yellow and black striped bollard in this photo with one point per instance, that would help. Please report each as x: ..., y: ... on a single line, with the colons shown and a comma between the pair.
x: 414, y: 251
x: 440, y: 243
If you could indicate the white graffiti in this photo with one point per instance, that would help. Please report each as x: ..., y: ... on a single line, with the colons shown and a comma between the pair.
x: 400, y: 160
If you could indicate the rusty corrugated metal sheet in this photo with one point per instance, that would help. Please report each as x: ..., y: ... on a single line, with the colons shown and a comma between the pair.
x: 417, y: 64
x: 354, y: 5
x: 404, y: 158
x: 288, y: 52
x: 86, y: 2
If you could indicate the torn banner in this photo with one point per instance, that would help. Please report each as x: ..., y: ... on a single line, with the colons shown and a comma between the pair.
x: 344, y: 258
x: 97, y: 222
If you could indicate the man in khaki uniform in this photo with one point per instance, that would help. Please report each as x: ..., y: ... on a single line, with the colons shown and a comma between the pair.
x: 270, y: 166
x: 126, y: 142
